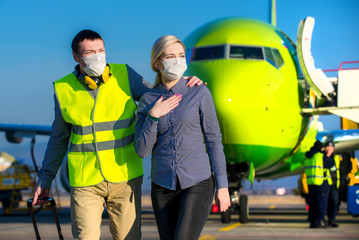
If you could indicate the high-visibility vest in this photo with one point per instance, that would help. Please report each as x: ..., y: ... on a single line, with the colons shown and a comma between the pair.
x: 336, y: 169
x: 102, y: 133
x: 315, y: 171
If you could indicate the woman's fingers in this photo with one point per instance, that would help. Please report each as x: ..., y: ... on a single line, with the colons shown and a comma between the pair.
x: 173, y: 101
x: 222, y: 197
x: 161, y: 107
x: 224, y: 205
x: 176, y: 100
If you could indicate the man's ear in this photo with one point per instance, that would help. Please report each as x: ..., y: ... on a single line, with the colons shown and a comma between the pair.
x: 76, y: 58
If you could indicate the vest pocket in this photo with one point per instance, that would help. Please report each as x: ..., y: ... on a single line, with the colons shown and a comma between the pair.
x: 83, y: 169
x: 75, y: 164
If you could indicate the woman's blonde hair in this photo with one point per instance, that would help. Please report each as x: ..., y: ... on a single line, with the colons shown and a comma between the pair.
x: 157, y: 49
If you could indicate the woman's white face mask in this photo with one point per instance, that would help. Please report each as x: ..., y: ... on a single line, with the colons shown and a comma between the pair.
x: 95, y: 64
x: 174, y: 68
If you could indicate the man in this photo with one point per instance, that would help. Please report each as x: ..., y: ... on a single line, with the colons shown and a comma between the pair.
x: 95, y: 111
x: 317, y: 167
x: 333, y: 198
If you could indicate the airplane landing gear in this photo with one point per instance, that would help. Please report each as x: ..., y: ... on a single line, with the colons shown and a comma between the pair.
x: 243, y: 209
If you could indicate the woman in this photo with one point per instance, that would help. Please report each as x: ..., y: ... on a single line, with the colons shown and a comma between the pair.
x: 176, y: 123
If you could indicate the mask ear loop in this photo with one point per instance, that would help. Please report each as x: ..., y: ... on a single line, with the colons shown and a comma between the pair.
x: 157, y: 66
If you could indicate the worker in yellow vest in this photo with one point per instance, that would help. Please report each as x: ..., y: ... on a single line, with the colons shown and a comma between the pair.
x: 318, y: 178
x: 94, y: 123
x: 333, y: 198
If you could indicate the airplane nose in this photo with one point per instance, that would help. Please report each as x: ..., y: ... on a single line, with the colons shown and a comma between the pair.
x: 239, y: 83
x: 256, y: 111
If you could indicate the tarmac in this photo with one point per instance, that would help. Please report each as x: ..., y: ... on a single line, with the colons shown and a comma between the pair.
x: 271, y: 217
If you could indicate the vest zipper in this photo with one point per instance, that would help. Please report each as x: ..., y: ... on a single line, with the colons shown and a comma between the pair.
x: 94, y: 131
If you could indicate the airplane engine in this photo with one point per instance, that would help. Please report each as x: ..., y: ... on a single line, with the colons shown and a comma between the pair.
x: 10, y: 136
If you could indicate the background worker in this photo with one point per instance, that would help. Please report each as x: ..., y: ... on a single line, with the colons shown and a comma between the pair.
x: 333, y: 198
x: 317, y: 167
x: 95, y: 111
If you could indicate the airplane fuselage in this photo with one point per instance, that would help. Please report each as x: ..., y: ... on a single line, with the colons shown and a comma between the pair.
x: 251, y: 71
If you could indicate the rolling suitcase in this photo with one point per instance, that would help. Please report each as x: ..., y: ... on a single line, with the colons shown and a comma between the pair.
x: 53, y: 209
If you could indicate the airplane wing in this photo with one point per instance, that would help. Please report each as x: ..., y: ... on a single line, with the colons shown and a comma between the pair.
x: 15, y: 132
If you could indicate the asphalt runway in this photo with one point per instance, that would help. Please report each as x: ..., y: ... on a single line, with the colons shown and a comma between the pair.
x: 269, y: 219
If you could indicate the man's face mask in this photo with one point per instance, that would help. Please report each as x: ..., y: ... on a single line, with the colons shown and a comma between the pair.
x: 95, y: 64
x: 174, y: 68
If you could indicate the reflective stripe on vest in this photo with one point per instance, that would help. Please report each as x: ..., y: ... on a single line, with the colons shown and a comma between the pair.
x: 314, y: 170
x: 90, y: 147
x: 102, y: 133
x: 337, y: 165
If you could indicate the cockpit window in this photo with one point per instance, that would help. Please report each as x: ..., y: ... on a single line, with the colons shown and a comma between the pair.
x: 206, y: 53
x: 271, y: 55
x: 278, y: 58
x: 242, y: 52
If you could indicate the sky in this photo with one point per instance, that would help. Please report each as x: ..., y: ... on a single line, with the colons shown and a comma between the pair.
x: 35, y: 42
x: 36, y: 38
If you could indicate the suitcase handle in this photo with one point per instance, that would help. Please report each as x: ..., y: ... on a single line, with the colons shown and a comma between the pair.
x: 47, y: 199
x: 53, y: 208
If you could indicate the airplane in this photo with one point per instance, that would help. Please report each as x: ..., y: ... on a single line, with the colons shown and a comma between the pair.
x: 267, y: 97
x: 267, y: 93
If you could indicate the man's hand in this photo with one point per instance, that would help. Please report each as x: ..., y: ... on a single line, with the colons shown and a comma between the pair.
x: 161, y: 107
x: 222, y: 199
x: 193, y: 80
x: 40, y: 192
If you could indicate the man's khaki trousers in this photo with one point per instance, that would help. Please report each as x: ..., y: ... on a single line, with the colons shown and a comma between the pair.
x: 123, y: 202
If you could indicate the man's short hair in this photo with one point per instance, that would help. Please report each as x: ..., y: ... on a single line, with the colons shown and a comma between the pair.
x: 82, y: 35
